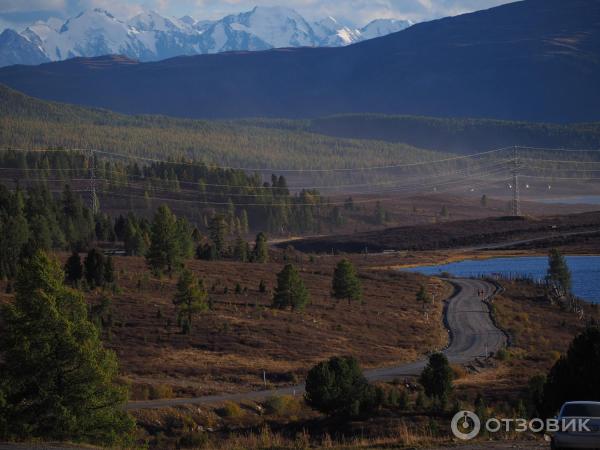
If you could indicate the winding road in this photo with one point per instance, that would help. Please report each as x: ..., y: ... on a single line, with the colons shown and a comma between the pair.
x: 472, y: 335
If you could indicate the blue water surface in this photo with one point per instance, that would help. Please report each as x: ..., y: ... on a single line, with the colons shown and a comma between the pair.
x: 585, y: 271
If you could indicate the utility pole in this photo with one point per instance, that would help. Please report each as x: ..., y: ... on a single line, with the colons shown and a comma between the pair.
x: 516, y: 207
x: 93, y: 196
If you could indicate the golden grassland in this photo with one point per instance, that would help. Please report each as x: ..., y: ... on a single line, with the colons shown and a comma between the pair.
x: 231, y: 345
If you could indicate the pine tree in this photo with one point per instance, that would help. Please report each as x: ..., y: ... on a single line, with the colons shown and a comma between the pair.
x: 94, y: 268
x: 241, y: 250
x: 218, y: 231
x: 58, y: 382
x: 73, y: 269
x: 164, y: 252
x: 437, y: 377
x: 290, y: 290
x: 190, y: 298
x: 261, y: 250
x: 346, y: 284
x: 184, y: 238
x: 14, y: 234
x: 558, y: 271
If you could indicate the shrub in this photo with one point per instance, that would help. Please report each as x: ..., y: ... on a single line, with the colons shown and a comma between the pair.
x: 502, y: 355
x: 160, y: 391
x: 231, y: 410
x: 337, y: 387
x: 282, y: 405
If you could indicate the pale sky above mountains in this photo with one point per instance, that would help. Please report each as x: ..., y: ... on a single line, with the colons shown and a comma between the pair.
x: 20, y: 13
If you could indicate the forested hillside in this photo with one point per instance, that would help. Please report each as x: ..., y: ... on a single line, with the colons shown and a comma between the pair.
x: 30, y: 123
x: 457, y: 135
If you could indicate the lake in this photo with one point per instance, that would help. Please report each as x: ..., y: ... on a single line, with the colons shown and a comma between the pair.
x: 585, y: 271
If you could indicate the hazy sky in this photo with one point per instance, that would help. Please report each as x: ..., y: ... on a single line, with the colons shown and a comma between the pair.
x: 18, y: 13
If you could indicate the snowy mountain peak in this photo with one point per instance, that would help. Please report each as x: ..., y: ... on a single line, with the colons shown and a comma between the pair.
x: 383, y: 27
x: 152, y: 21
x: 150, y: 36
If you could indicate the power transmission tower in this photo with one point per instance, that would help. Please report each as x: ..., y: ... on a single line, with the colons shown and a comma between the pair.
x: 516, y: 207
x: 93, y: 196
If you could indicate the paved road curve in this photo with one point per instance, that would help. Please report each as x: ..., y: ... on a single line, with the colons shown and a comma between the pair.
x: 472, y: 335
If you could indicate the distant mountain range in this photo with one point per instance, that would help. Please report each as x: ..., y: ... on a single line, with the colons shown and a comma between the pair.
x: 534, y: 60
x: 151, y: 37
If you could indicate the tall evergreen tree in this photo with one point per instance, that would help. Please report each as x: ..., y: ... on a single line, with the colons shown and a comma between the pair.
x: 218, y: 232
x: 346, y: 284
x: 165, y: 251
x: 94, y: 268
x: 14, y: 234
x: 261, y: 249
x: 58, y: 382
x: 190, y: 298
x: 558, y: 271
x: 290, y: 290
x: 437, y: 377
x: 73, y: 269
x: 241, y: 250
x: 575, y: 375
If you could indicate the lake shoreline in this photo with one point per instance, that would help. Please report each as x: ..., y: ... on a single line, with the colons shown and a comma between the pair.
x: 585, y: 270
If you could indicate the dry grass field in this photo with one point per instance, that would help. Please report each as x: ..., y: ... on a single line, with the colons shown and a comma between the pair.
x: 231, y: 345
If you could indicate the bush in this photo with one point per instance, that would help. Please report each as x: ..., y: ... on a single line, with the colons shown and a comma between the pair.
x: 337, y: 387
x: 193, y: 440
x: 231, y: 410
x: 160, y: 391
x: 282, y: 405
x: 502, y: 355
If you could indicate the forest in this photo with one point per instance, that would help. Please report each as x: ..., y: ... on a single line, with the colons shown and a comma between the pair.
x: 245, y: 200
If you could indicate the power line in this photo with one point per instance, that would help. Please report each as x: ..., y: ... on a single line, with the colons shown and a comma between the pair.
x: 274, y: 169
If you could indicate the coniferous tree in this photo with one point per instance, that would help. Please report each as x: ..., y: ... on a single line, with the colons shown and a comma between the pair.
x: 73, y: 269
x: 337, y: 387
x: 58, y: 382
x: 241, y: 250
x: 346, y: 284
x: 575, y: 375
x: 94, y: 268
x: 437, y: 377
x: 165, y: 250
x: 135, y: 240
x: 190, y: 298
x: 261, y: 249
x: 184, y: 238
x: 290, y: 290
x: 14, y: 234
x: 558, y: 271
x: 218, y: 231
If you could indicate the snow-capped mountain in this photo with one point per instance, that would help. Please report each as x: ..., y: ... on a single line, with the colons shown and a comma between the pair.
x: 149, y: 36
